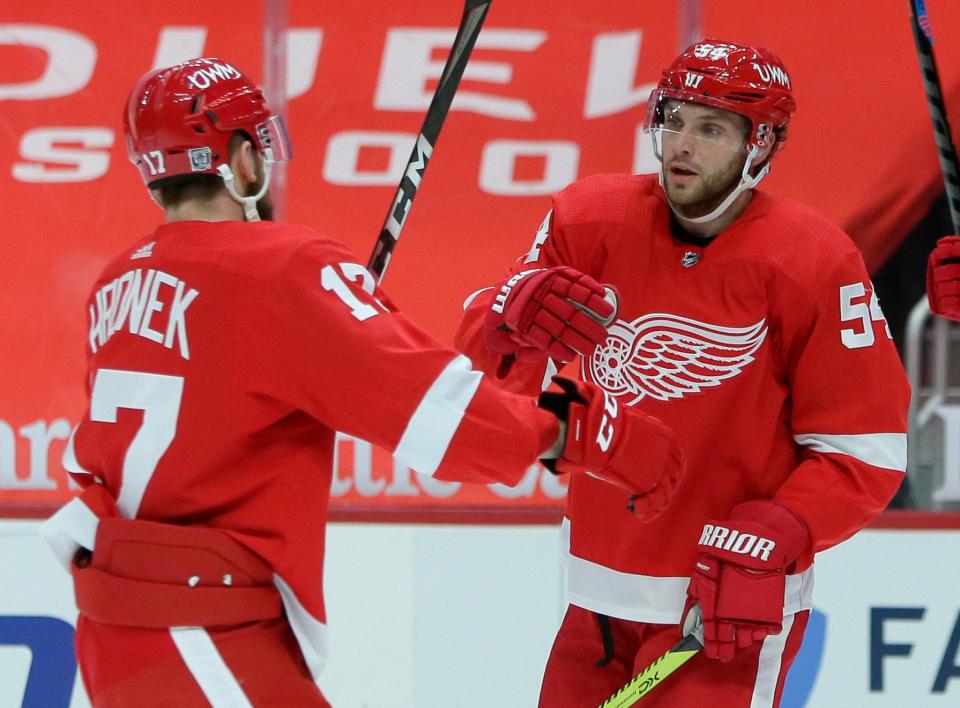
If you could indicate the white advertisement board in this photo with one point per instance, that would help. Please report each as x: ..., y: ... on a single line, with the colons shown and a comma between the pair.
x: 435, y: 616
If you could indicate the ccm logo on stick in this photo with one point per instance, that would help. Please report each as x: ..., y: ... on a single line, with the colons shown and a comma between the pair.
x: 736, y: 542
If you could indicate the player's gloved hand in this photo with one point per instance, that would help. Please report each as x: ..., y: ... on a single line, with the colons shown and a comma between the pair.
x: 740, y: 575
x: 943, y: 278
x: 615, y: 443
x: 554, y: 312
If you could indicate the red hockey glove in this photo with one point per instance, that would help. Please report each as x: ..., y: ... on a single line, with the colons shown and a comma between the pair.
x: 943, y: 278
x: 740, y: 575
x: 617, y: 444
x: 554, y: 312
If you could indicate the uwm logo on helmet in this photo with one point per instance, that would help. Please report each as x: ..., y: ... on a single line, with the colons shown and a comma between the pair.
x: 772, y: 74
x: 203, y: 78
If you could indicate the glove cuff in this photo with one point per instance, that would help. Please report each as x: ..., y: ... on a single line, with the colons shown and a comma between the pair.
x: 790, y: 529
x: 558, y: 403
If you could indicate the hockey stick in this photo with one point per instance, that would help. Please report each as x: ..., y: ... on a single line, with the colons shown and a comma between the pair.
x: 946, y: 150
x: 664, y: 665
x: 474, y: 12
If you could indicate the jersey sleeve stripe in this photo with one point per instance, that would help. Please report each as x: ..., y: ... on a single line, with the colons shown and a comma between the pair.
x: 434, y: 423
x: 886, y: 450
x: 473, y: 296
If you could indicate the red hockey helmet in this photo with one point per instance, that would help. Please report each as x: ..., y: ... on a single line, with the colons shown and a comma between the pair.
x: 745, y: 80
x: 179, y: 120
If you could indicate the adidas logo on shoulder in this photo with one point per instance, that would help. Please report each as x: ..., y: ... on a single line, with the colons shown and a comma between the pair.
x: 145, y: 251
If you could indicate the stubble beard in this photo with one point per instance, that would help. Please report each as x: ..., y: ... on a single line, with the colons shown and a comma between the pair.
x: 705, y: 192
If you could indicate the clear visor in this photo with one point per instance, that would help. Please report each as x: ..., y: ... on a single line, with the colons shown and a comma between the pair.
x: 272, y: 134
x: 676, y: 125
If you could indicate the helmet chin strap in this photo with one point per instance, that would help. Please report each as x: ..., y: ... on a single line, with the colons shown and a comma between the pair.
x: 746, y: 182
x: 249, y: 203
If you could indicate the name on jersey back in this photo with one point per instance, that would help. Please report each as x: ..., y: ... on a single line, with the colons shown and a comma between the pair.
x: 138, y: 302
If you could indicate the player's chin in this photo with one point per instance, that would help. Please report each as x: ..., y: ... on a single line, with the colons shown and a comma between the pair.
x: 682, y: 193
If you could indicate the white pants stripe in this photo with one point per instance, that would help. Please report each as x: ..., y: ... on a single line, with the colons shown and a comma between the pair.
x: 768, y: 670
x: 208, y: 668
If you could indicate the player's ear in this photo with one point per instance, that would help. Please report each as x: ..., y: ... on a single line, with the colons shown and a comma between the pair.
x: 243, y: 162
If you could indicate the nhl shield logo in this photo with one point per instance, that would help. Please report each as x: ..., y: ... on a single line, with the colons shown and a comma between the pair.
x: 200, y: 159
x: 690, y: 258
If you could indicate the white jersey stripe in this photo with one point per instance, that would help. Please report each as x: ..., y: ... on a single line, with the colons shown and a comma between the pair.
x: 72, y: 527
x: 69, y: 458
x: 887, y: 450
x: 473, y: 296
x: 769, y: 666
x: 208, y: 668
x: 648, y: 598
x: 432, y: 426
x: 310, y: 632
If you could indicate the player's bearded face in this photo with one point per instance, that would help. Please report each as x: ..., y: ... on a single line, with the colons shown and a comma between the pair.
x: 703, y: 150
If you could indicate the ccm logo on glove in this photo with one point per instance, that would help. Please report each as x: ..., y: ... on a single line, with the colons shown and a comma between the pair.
x: 736, y: 542
x: 618, y: 445
x: 605, y: 429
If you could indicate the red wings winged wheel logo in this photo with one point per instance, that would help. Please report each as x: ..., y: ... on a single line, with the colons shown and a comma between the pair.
x: 666, y: 356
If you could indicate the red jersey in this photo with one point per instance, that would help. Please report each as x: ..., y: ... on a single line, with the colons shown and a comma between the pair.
x: 764, y: 349
x: 221, y: 359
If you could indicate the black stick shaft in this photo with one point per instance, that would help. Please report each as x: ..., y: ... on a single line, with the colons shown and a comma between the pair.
x: 474, y: 12
x: 946, y: 150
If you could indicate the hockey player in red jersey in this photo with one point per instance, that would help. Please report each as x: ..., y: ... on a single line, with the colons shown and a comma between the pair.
x: 748, y: 325
x: 223, y: 353
x: 943, y: 278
